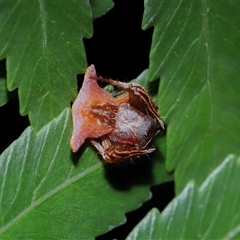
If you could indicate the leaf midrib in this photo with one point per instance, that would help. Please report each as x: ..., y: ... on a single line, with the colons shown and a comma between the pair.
x: 46, y: 196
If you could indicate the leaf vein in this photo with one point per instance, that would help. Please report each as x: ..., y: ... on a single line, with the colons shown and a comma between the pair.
x: 51, y: 193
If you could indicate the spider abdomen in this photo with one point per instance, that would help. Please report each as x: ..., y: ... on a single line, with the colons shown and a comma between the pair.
x: 132, y: 126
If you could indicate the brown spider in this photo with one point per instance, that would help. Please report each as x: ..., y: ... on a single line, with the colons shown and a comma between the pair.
x: 119, y: 127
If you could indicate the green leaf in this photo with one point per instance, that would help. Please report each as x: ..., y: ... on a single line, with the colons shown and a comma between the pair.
x: 42, y: 43
x: 195, y: 53
x: 4, y: 94
x: 208, y: 212
x: 100, y: 8
x: 47, y: 192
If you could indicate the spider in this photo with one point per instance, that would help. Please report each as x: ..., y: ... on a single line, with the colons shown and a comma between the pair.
x: 121, y: 127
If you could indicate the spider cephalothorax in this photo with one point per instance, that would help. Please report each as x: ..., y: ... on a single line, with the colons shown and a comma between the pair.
x: 119, y: 127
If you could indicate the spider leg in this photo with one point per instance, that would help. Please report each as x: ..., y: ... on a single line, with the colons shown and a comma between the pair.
x: 138, y: 97
x: 145, y: 102
x: 121, y: 85
x: 97, y: 145
x: 123, y: 98
x: 117, y: 152
x: 101, y: 147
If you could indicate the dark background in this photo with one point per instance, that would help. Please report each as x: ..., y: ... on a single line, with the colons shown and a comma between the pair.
x: 119, y: 49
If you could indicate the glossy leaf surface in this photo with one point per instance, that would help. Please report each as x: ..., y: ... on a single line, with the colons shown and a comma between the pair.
x: 99, y: 8
x: 48, y: 192
x: 42, y: 43
x: 195, y: 53
x: 4, y: 94
x: 203, y: 212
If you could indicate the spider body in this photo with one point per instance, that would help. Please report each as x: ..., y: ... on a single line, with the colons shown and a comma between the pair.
x: 120, y: 128
x: 132, y: 127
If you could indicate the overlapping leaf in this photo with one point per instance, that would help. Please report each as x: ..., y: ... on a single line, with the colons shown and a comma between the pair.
x: 195, y: 52
x: 99, y: 8
x: 3, y: 91
x: 42, y: 43
x: 46, y: 192
x: 199, y: 213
